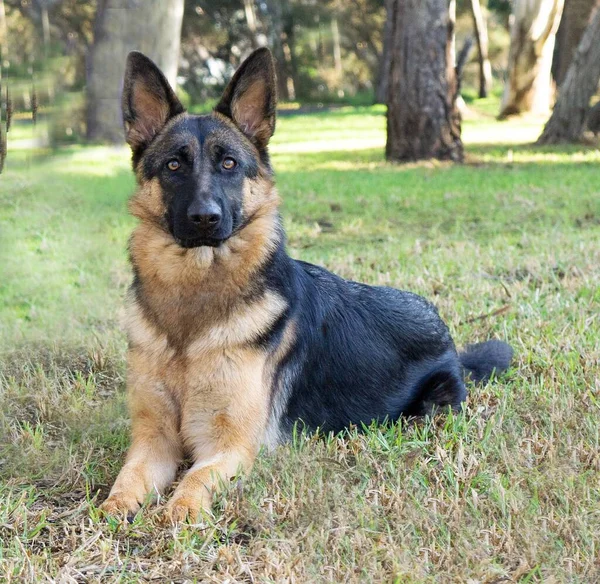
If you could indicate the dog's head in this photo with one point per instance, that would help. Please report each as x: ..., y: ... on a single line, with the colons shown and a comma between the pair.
x: 202, y: 178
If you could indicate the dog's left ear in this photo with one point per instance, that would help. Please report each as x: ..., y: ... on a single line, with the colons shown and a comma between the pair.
x: 250, y: 99
x: 148, y: 101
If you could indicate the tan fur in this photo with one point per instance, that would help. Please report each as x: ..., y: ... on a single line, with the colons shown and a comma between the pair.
x: 156, y: 113
x: 197, y: 384
x: 156, y: 449
x: 247, y: 111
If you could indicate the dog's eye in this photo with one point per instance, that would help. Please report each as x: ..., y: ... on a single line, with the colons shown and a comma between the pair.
x: 228, y: 163
x: 173, y: 164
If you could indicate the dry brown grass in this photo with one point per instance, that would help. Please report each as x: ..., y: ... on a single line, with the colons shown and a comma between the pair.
x: 508, y: 491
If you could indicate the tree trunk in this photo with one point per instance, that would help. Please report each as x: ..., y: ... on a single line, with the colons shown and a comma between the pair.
x: 532, y: 34
x: 251, y: 21
x: 3, y: 26
x: 3, y: 105
x: 45, y: 26
x: 153, y: 27
x: 289, y: 50
x: 566, y: 123
x: 337, y: 48
x: 281, y: 21
x: 423, y: 121
x: 576, y: 17
x: 481, y: 36
x: 384, y: 65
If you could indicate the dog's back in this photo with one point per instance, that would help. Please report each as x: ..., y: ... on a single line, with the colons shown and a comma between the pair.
x: 231, y: 342
x: 362, y: 353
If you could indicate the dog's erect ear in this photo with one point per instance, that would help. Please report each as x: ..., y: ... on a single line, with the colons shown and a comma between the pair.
x: 148, y: 101
x: 250, y: 99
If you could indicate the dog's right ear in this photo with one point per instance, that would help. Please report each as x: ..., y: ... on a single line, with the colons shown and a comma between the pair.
x: 148, y: 101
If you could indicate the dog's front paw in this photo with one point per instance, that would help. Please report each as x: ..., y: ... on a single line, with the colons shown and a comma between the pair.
x: 181, y: 508
x: 120, y: 505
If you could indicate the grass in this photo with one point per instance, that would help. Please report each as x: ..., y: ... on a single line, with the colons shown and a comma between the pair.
x: 507, y: 245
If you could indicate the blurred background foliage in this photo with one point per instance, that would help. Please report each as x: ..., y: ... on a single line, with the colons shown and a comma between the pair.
x: 331, y: 51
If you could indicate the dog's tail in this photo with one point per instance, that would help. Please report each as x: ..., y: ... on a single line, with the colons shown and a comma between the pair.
x: 482, y: 359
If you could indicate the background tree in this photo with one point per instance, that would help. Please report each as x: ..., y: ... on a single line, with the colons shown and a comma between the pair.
x: 282, y: 39
x: 325, y: 51
x: 576, y: 17
x: 528, y: 79
x: 481, y: 36
x: 153, y: 27
x: 566, y: 123
x: 422, y: 120
x: 3, y: 27
x: 318, y: 62
x: 384, y: 67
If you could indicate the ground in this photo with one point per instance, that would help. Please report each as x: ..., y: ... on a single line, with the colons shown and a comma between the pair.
x: 506, y: 245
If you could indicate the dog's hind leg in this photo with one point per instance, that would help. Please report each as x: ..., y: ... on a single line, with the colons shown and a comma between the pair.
x: 438, y: 390
x: 155, y: 451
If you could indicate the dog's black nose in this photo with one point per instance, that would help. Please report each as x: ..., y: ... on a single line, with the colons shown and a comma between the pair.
x: 205, y: 214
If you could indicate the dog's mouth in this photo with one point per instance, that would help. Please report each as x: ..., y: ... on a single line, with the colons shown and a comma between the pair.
x: 207, y: 241
x: 189, y: 243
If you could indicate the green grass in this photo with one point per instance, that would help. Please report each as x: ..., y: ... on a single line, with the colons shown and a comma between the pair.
x: 507, y: 245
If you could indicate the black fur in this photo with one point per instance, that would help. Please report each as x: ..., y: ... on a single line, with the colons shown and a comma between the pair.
x: 364, y: 353
x: 358, y: 353
x: 482, y: 359
x: 200, y: 179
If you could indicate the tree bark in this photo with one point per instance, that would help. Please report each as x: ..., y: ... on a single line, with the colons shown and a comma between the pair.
x: 3, y: 105
x: 423, y: 121
x: 151, y: 26
x: 3, y: 26
x: 282, y: 22
x: 566, y: 123
x: 576, y: 17
x: 384, y: 65
x: 251, y: 22
x: 337, y: 48
x: 532, y: 35
x: 45, y: 26
x: 481, y: 36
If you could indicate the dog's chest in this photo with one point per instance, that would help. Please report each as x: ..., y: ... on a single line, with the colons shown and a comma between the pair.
x: 218, y: 358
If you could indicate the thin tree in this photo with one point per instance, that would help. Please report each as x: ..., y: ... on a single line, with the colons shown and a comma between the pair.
x: 532, y: 34
x: 3, y: 26
x: 153, y: 27
x: 4, y: 113
x: 423, y: 121
x: 337, y: 47
x: 481, y: 36
x: 251, y: 21
x: 282, y: 44
x: 566, y: 123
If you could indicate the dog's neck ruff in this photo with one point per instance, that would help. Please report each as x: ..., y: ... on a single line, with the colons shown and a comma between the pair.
x: 184, y: 293
x: 160, y: 261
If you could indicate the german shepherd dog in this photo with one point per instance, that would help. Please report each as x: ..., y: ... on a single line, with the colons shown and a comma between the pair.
x: 231, y: 342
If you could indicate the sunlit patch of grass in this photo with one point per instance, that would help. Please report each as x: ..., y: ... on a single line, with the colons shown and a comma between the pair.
x: 94, y: 161
x: 23, y: 132
x: 507, y: 245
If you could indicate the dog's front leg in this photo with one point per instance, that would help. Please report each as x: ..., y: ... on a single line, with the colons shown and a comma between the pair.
x: 223, y: 425
x: 156, y: 449
x: 224, y: 442
x: 195, y: 492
